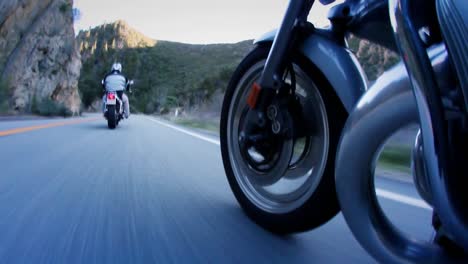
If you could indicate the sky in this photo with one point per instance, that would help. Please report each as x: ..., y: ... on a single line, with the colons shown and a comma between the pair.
x: 192, y: 21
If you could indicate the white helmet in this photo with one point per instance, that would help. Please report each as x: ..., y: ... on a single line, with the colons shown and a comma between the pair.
x: 117, y: 67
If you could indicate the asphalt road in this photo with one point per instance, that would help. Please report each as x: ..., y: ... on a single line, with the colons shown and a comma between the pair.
x: 149, y: 193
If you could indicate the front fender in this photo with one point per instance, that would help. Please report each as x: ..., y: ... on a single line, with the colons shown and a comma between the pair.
x: 338, y: 65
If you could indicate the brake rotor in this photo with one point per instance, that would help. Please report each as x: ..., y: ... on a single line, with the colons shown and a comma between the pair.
x: 269, y: 158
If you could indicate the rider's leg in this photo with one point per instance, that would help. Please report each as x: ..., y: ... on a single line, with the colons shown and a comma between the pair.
x: 104, y: 104
x: 126, y: 105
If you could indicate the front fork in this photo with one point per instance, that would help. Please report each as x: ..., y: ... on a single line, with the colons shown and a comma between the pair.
x: 263, y: 92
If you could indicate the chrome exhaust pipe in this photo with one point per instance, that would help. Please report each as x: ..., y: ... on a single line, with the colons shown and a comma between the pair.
x: 386, y: 107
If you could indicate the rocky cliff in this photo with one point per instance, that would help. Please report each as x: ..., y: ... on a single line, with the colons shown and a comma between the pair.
x: 39, y: 59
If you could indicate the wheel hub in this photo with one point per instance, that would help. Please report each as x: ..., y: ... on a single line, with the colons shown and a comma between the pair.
x: 266, y: 150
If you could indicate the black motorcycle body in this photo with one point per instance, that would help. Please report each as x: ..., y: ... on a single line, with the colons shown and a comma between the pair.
x: 298, y: 109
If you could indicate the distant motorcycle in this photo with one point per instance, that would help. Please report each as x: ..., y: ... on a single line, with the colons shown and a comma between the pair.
x: 300, y: 129
x: 113, y: 111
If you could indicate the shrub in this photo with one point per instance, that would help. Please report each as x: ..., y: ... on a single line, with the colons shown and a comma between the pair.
x: 3, y: 96
x: 65, y: 7
x: 397, y: 155
x: 49, y: 107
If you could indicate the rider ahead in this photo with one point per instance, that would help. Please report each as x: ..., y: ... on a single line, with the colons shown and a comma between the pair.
x: 116, y: 82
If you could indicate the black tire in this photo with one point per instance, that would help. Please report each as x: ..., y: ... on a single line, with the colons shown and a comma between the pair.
x: 322, y: 204
x: 111, y: 117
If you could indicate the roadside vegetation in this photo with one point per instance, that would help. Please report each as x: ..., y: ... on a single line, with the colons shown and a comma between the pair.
x: 198, y: 124
x: 3, y: 97
x: 49, y: 107
x: 396, y: 157
x: 373, y: 58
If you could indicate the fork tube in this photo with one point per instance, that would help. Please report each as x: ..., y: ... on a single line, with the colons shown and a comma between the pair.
x: 431, y: 117
x: 296, y: 13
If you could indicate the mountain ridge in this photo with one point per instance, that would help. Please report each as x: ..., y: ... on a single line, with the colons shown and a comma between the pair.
x: 171, y: 74
x: 167, y: 74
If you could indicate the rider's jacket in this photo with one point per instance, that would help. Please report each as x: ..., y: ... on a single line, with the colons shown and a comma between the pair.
x: 114, y: 82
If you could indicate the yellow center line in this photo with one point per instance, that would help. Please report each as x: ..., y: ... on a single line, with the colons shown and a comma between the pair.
x: 37, y: 127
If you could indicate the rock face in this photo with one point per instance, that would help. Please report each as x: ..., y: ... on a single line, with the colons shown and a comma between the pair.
x: 38, y: 55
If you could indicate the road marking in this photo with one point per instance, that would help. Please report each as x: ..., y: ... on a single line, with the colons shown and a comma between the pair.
x: 380, y: 192
x: 213, y: 141
x: 402, y: 199
x: 37, y: 127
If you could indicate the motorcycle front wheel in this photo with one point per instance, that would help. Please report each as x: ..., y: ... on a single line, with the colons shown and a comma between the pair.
x: 303, y: 197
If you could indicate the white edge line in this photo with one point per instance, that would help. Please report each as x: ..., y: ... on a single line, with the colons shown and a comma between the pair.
x: 213, y: 141
x: 403, y: 199
x: 380, y: 192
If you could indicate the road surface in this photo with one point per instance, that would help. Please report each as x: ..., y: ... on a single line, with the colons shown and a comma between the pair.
x: 76, y: 192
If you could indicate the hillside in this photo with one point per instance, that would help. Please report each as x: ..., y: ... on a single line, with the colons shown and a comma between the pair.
x: 116, y: 35
x: 167, y: 74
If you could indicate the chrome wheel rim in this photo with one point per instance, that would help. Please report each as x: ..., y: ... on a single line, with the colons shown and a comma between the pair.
x: 309, y: 154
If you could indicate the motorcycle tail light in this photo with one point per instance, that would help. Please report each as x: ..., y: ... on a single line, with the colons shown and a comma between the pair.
x: 111, y: 96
